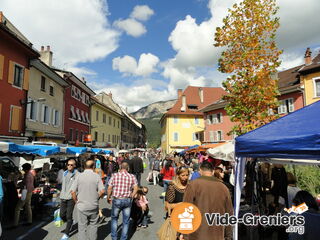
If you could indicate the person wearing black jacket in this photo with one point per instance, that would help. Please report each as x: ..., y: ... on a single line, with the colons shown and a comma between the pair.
x: 137, y: 167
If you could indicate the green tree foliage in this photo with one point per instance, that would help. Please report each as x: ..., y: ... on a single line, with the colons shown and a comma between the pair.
x: 251, y: 57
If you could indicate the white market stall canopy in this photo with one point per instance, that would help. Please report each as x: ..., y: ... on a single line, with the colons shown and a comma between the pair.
x: 223, y: 152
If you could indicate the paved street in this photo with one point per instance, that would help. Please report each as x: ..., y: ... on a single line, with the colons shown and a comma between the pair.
x: 47, y: 230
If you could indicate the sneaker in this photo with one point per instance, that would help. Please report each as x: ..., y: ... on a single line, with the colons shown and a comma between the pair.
x: 65, y: 237
x: 144, y: 226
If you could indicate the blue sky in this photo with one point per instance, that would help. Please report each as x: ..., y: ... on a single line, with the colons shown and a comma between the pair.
x: 144, y: 50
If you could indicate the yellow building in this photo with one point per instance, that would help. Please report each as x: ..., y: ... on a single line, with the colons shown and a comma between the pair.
x: 310, y: 78
x: 105, y: 123
x: 182, y: 126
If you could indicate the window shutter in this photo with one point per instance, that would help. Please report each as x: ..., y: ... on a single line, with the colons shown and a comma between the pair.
x: 221, y: 118
x: 36, y: 110
x: 26, y: 79
x: 11, y: 72
x: 1, y: 66
x: 54, y: 117
x: 29, y: 109
x: 215, y: 136
x: 42, y: 113
x: 15, y: 118
x: 49, y: 115
x: 291, y: 105
x: 58, y: 118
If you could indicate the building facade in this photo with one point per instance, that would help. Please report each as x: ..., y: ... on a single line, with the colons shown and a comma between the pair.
x: 45, y: 108
x: 105, y: 124
x: 15, y: 55
x: 183, y: 125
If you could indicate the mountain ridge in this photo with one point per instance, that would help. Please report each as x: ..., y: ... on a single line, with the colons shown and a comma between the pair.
x: 153, y: 109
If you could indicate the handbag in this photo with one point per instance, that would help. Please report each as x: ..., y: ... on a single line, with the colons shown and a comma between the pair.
x: 166, y: 231
x: 58, y: 222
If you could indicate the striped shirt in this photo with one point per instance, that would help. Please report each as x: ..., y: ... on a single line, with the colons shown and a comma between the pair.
x: 122, y: 184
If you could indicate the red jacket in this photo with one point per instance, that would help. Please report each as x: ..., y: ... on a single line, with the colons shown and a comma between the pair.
x: 167, y: 175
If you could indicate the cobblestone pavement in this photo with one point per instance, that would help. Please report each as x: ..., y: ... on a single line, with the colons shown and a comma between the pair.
x: 46, y: 229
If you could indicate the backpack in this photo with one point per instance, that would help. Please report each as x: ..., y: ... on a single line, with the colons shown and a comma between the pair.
x: 156, y: 165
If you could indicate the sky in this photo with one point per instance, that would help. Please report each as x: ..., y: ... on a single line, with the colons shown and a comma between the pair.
x: 144, y: 50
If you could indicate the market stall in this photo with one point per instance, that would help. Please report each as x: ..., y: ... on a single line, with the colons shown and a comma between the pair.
x: 292, y: 138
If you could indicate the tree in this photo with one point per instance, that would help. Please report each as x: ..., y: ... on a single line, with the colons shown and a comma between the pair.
x: 251, y: 57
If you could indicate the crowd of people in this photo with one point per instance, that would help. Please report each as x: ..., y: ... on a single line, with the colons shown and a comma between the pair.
x: 192, y: 178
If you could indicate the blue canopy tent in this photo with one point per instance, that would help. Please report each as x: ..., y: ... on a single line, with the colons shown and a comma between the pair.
x: 184, y: 151
x: 100, y: 151
x: 74, y: 150
x: 294, y: 136
x: 39, y: 150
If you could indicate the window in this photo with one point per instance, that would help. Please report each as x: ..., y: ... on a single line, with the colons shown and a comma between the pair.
x: 110, y: 120
x: 214, y: 118
x: 109, y: 138
x: 55, y: 117
x: 72, y: 113
x: 176, y: 137
x: 18, y: 76
x: 102, y: 137
x: 286, y: 106
x: 96, y: 136
x: 43, y: 84
x: 118, y: 124
x: 316, y: 84
x: 45, y: 114
x: 77, y: 135
x: 209, y: 119
x: 114, y: 122
x: 196, y: 120
x: 194, y: 138
x: 51, y: 91
x: 81, y: 136
x: 104, y: 118
x: 219, y: 136
x: 175, y: 120
x: 97, y: 115
x: 32, y: 110
x: 70, y: 134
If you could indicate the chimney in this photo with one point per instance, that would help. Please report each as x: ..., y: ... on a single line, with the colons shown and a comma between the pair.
x: 201, y: 95
x: 307, y: 57
x: 83, y: 80
x: 110, y: 94
x: 46, y: 56
x: 179, y: 93
x: 184, y: 103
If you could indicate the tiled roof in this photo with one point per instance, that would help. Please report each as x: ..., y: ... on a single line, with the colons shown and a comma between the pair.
x: 210, y: 94
x: 289, y: 77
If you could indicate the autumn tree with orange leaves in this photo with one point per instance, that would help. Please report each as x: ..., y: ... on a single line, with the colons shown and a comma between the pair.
x: 251, y: 57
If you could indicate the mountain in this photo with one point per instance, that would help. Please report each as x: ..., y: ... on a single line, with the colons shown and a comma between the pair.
x: 150, y: 116
x: 153, y: 109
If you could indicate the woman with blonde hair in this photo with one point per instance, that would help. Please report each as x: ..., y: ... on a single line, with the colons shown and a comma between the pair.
x: 177, y: 187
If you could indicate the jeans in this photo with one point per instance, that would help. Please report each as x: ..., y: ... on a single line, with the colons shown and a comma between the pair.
x: 166, y: 184
x: 138, y: 177
x: 66, y: 211
x: 88, y: 225
x: 119, y: 205
x: 21, y: 204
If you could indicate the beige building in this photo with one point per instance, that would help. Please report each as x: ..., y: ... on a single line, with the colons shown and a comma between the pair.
x: 45, y: 105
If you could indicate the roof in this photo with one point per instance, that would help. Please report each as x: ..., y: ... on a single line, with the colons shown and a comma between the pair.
x: 76, y: 80
x: 108, y: 101
x: 135, y: 121
x: 97, y: 101
x: 315, y: 65
x: 210, y: 94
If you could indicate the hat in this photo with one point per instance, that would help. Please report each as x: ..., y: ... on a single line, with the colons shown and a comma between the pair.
x: 221, y: 167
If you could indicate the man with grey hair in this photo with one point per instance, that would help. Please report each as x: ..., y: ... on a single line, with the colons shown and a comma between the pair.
x: 86, y: 191
x: 122, y: 188
x: 67, y: 203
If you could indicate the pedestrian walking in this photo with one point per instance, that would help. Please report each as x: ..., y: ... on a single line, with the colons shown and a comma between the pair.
x: 143, y: 204
x: 25, y: 200
x: 122, y: 187
x: 67, y: 203
x: 86, y: 191
x: 137, y: 167
x: 217, y: 200
x: 156, y: 170
x: 168, y: 174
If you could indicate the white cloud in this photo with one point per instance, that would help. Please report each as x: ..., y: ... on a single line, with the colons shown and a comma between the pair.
x: 128, y: 65
x: 77, y: 30
x: 131, y: 26
x: 142, y: 12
